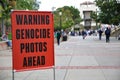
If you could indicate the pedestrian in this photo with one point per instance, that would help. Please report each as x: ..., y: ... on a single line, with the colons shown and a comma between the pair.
x: 79, y: 33
x: 107, y: 33
x: 5, y: 38
x: 84, y: 34
x: 100, y: 33
x: 58, y: 37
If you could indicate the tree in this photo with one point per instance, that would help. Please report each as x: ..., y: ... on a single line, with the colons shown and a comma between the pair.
x: 5, y: 14
x: 70, y: 16
x: 8, y: 5
x: 27, y: 5
x: 76, y: 17
x: 109, y: 11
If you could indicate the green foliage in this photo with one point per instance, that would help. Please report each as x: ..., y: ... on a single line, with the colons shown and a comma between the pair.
x: 109, y: 11
x: 6, y: 11
x: 27, y: 5
x: 94, y: 16
x: 9, y: 36
x: 8, y: 5
x: 0, y: 34
x: 70, y: 16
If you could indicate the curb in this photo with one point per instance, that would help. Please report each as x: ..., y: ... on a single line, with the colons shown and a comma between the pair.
x: 3, y: 45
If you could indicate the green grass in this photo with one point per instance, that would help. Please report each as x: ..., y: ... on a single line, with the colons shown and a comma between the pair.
x: 10, y: 36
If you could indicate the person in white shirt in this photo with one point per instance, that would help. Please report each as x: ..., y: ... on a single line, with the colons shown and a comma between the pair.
x: 5, y: 38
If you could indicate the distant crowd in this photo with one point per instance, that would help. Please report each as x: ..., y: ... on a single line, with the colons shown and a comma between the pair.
x: 106, y: 30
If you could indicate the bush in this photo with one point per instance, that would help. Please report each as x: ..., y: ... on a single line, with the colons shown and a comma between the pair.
x: 0, y: 34
x: 10, y: 36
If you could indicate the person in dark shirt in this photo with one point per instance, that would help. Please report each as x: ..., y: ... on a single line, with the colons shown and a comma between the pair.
x: 58, y: 37
x: 84, y: 34
x: 100, y: 33
x: 107, y: 33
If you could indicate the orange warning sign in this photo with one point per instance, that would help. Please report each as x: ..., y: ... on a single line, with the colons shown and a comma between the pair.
x: 32, y: 40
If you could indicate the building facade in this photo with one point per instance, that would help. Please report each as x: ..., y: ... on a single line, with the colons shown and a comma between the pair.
x: 85, y: 12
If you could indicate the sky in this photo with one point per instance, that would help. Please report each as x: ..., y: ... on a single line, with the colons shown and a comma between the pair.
x: 47, y: 5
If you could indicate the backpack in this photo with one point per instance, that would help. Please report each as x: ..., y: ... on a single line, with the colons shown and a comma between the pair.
x: 107, y: 32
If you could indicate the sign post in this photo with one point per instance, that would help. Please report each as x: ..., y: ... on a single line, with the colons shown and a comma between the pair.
x: 32, y: 40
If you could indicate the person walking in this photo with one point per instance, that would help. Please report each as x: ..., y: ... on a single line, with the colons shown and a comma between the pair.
x: 84, y: 34
x: 58, y: 37
x: 107, y: 33
x: 100, y: 33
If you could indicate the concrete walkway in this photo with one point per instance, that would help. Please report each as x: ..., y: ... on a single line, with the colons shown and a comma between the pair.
x: 75, y: 59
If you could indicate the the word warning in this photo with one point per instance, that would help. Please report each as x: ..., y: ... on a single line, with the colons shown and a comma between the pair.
x: 32, y: 40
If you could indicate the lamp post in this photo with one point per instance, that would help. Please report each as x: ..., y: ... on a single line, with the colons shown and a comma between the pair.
x: 97, y: 19
x: 60, y: 14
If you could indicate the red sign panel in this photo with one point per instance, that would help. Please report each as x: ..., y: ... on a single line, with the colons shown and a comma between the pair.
x: 32, y: 40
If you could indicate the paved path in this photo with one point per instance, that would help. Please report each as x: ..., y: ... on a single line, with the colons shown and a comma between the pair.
x: 75, y: 59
